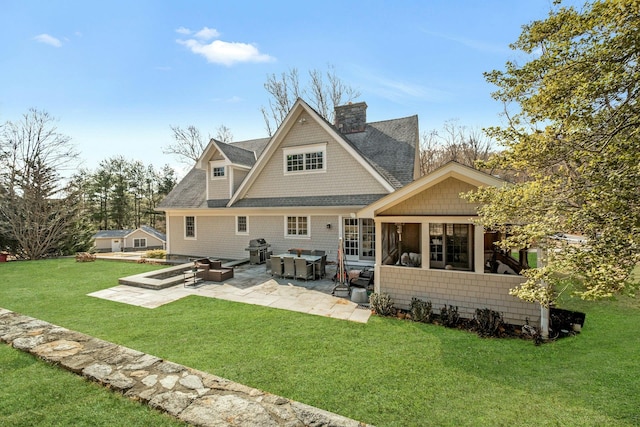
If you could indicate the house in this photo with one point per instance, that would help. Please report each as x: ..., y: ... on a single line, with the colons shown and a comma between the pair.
x: 428, y: 246
x: 301, y: 188
x: 141, y: 239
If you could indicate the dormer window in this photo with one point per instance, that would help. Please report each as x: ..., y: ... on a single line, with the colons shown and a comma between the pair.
x: 218, y: 171
x: 308, y: 158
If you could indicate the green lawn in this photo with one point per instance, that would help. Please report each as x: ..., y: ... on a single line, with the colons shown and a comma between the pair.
x: 387, y: 372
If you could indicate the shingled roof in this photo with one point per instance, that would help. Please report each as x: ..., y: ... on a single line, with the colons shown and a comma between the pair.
x: 236, y: 154
x: 388, y: 146
x: 190, y: 192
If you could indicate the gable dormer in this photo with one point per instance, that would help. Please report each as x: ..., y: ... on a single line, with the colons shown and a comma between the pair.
x: 226, y: 167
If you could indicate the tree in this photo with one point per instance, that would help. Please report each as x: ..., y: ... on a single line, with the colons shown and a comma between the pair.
x: 37, y: 208
x: 323, y: 95
x: 188, y: 144
x: 453, y: 143
x: 122, y: 194
x: 573, y: 140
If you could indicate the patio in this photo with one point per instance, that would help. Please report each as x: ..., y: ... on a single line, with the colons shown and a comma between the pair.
x: 251, y: 284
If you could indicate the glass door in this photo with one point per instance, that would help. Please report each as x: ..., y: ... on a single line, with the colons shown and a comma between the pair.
x: 351, y: 238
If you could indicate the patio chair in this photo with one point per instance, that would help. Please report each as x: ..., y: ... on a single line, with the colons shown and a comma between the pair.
x: 276, y: 266
x: 304, y: 271
x: 289, y: 267
x: 321, y: 267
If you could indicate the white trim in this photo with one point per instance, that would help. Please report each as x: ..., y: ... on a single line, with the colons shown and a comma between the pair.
x: 304, y: 150
x: 167, y: 243
x: 218, y: 164
x: 297, y: 236
x: 195, y: 228
x: 242, y: 233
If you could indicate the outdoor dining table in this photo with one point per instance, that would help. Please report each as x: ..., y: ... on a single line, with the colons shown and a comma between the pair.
x: 313, y: 259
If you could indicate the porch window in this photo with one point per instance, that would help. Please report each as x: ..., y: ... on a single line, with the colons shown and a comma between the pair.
x: 297, y: 226
x: 242, y: 225
x: 451, y: 246
x: 190, y: 227
x: 140, y: 243
x: 401, y: 244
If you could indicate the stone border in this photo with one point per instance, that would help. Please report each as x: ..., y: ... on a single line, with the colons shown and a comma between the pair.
x: 193, y: 396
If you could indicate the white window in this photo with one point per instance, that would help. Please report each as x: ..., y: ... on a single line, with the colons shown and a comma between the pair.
x: 297, y: 226
x: 451, y: 246
x: 242, y: 225
x: 140, y: 243
x: 190, y: 227
x: 309, y: 158
x: 218, y: 172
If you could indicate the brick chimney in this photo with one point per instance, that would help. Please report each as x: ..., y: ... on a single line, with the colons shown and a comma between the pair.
x: 351, y: 118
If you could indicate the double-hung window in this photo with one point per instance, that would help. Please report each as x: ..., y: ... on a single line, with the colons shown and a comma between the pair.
x: 308, y: 158
x: 297, y: 226
x: 190, y: 227
x: 242, y: 225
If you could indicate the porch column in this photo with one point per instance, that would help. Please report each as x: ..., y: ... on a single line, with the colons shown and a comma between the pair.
x: 478, y: 249
x: 378, y: 263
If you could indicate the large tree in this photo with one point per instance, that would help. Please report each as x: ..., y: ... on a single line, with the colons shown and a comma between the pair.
x: 188, y: 143
x: 453, y: 143
x: 323, y: 90
x: 572, y: 138
x: 37, y: 207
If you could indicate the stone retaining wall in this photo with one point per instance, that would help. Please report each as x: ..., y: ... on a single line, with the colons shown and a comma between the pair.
x: 192, y: 396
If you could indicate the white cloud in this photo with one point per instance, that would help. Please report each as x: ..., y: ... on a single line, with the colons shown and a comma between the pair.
x: 183, y: 30
x: 226, y: 53
x: 207, y: 34
x: 47, y: 39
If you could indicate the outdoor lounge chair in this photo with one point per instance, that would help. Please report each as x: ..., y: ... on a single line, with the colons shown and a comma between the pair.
x: 304, y: 271
x: 276, y: 266
x: 289, y: 267
x: 364, y: 279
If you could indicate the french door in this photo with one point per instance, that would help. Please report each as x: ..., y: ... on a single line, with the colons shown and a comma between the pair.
x: 359, y: 238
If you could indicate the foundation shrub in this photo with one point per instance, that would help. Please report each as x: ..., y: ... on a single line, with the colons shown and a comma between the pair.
x: 421, y: 311
x: 449, y: 316
x: 156, y: 254
x: 488, y: 323
x: 381, y: 303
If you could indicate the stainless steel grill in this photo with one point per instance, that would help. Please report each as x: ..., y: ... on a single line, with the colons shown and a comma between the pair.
x: 258, y: 251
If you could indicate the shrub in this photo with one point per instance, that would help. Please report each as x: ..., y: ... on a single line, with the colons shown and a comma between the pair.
x: 156, y: 254
x: 488, y: 322
x: 449, y: 316
x: 381, y: 304
x: 420, y: 310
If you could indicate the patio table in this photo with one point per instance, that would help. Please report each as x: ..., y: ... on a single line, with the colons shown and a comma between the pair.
x: 313, y: 259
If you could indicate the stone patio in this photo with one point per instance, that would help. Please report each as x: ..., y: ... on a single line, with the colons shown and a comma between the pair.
x: 251, y: 284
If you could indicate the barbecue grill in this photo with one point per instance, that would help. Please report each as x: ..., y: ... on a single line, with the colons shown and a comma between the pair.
x: 258, y: 251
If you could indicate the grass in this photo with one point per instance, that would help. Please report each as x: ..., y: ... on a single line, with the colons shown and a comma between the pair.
x: 387, y: 372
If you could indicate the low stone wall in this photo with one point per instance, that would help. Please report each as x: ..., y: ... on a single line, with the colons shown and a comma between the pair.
x: 192, y: 396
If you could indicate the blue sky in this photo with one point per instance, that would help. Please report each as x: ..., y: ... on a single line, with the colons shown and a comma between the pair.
x: 117, y: 74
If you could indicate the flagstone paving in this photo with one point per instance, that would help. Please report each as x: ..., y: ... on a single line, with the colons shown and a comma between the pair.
x: 251, y: 284
x: 196, y: 397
